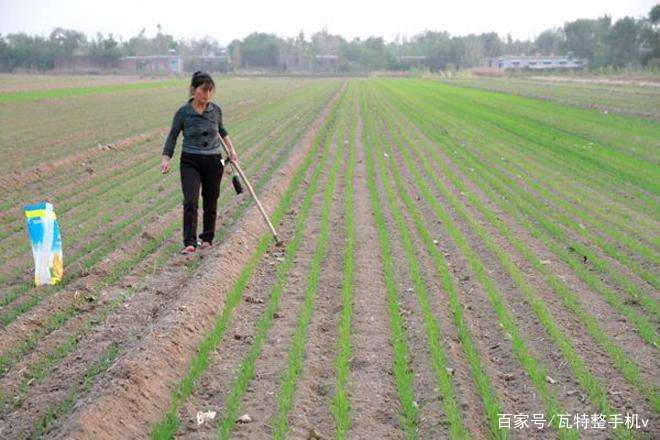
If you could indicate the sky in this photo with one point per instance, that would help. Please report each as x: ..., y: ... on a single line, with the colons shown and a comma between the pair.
x: 225, y: 21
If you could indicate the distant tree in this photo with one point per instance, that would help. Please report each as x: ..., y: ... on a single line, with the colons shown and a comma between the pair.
x: 5, y: 52
x: 67, y: 41
x: 234, y: 49
x: 324, y: 43
x: 466, y: 51
x: 650, y: 36
x: 162, y: 43
x: 654, y: 14
x: 374, y: 53
x: 492, y: 45
x: 625, y: 42
x: 28, y: 52
x: 105, y: 51
x: 261, y: 50
x: 586, y: 38
x: 550, y: 41
x: 629, y: 41
x: 435, y: 46
x: 138, y: 45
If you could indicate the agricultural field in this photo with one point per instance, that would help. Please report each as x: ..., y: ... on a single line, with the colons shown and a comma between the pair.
x: 626, y: 97
x: 456, y: 263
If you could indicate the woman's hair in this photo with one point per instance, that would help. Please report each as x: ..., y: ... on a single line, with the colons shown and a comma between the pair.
x: 200, y: 78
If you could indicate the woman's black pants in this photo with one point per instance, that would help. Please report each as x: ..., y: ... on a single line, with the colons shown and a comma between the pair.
x: 205, y: 170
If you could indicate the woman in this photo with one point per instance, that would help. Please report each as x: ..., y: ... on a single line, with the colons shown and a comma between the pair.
x: 201, y: 122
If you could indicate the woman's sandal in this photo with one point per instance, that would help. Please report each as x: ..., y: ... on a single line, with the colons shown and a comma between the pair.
x: 205, y: 245
x: 188, y: 250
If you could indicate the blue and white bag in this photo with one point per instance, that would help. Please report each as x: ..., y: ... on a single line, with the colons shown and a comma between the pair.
x: 44, y: 233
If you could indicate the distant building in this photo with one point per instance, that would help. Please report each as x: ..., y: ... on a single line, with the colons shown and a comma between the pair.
x: 534, y: 62
x: 152, y: 63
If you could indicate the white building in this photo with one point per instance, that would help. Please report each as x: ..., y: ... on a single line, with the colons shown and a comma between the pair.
x: 535, y: 62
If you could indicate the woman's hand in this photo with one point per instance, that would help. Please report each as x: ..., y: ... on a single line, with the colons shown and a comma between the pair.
x: 232, y: 156
x: 165, y: 164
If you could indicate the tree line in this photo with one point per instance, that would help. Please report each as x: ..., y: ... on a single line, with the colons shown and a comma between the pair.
x: 628, y: 41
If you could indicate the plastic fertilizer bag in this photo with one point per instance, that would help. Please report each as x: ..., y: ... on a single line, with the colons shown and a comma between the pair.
x: 44, y: 233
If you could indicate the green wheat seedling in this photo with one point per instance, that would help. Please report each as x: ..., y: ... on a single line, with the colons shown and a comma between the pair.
x: 467, y: 123
x: 532, y: 366
x: 588, y: 382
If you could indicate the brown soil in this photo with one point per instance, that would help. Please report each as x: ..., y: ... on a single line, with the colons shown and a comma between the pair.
x: 19, y: 178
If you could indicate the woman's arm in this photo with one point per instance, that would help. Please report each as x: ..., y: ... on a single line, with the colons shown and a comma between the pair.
x: 170, y: 142
x: 225, y: 137
x: 232, y: 153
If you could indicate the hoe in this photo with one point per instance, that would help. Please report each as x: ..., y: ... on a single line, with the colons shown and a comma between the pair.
x: 239, y: 189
